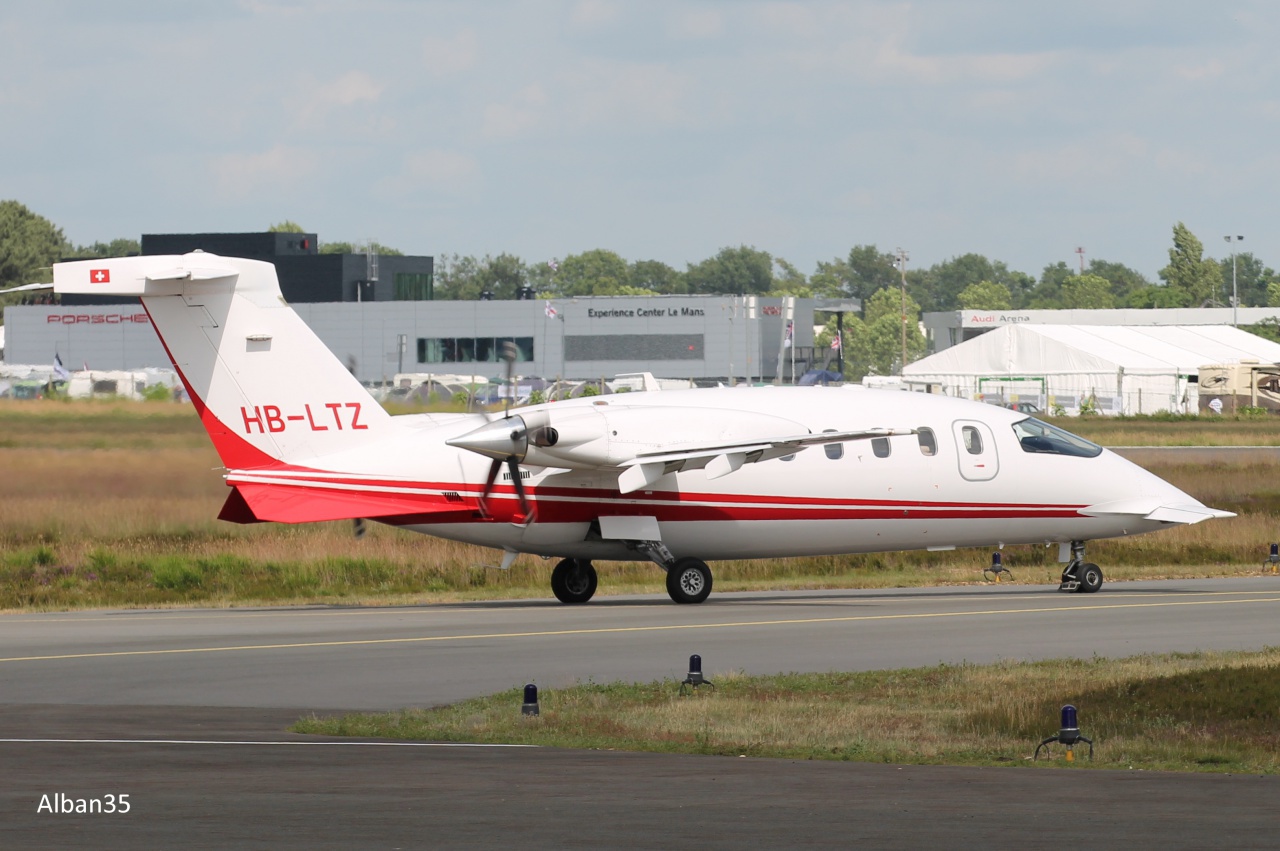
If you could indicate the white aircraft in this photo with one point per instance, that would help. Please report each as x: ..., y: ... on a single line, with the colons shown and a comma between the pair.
x: 675, y: 477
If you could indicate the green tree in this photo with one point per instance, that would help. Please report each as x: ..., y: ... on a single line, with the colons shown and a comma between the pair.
x: 596, y: 272
x: 1252, y: 279
x: 1124, y: 281
x: 114, y: 248
x: 1086, y: 292
x: 358, y: 248
x: 873, y: 345
x: 29, y: 245
x: 1194, y: 278
x: 656, y: 276
x: 940, y: 286
x: 740, y: 271
x: 985, y: 295
x: 466, y: 277
x: 287, y: 226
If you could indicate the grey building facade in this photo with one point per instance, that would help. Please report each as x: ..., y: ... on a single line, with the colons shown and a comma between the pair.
x: 693, y: 337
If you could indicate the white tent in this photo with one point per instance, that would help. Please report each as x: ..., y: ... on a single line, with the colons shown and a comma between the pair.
x: 1109, y: 368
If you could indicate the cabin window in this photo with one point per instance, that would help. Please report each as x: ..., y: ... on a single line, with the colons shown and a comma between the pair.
x: 972, y: 440
x: 1038, y: 437
x: 928, y: 443
x: 835, y: 451
x: 880, y: 446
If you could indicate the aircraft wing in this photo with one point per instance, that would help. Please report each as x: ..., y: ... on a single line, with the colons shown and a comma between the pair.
x: 721, y: 459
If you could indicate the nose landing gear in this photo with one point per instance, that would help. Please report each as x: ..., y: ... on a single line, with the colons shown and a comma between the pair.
x: 1081, y: 576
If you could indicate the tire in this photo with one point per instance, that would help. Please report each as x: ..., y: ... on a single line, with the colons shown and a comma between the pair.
x: 689, y: 581
x: 1090, y: 577
x: 573, y: 581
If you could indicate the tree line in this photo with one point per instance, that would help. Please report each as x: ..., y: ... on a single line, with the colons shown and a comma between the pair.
x: 29, y: 244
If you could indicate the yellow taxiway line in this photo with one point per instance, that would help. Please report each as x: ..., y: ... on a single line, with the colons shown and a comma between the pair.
x: 628, y: 629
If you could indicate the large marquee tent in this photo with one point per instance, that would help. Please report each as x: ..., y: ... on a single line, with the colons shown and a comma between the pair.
x: 1110, y: 369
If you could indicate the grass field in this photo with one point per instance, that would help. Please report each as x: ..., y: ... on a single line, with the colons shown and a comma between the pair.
x: 1185, y: 712
x: 114, y: 504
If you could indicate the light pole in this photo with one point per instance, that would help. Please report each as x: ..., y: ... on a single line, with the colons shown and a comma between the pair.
x: 1235, y: 296
x: 902, y: 259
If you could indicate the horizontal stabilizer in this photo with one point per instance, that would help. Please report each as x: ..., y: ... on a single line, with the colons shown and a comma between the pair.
x: 281, y: 503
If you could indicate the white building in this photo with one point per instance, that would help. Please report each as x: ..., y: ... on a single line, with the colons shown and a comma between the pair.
x: 1107, y: 368
x: 950, y: 328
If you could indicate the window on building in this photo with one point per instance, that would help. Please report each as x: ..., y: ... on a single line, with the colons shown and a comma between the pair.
x: 414, y: 286
x: 471, y: 349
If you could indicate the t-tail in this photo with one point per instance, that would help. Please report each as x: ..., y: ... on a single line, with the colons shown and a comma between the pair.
x: 269, y: 392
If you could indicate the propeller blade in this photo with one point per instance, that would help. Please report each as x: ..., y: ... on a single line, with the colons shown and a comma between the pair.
x: 358, y: 527
x: 488, y: 485
x: 526, y: 509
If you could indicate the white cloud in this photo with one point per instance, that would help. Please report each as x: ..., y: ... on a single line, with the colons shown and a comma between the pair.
x: 516, y: 116
x: 1084, y: 162
x: 696, y: 24
x: 628, y: 95
x: 442, y: 56
x: 1205, y: 71
x: 240, y: 176
x: 351, y: 88
x: 591, y: 14
x: 441, y: 169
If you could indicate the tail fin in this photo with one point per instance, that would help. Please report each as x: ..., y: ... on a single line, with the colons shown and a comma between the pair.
x: 267, y: 389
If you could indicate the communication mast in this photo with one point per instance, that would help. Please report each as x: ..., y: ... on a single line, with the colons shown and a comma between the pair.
x: 1080, y: 251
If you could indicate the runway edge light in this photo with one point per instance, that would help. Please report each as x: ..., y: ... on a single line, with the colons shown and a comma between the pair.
x: 695, y: 678
x: 1274, y: 558
x: 530, y: 706
x: 1068, y: 734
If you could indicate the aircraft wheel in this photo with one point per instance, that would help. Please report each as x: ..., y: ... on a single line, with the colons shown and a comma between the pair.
x: 1090, y: 578
x: 573, y: 581
x: 689, y: 581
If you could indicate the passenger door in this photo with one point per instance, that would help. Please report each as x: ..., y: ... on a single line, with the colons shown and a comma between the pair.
x: 976, y: 450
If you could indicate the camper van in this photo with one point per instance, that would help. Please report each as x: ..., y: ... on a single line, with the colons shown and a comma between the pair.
x: 1225, y: 388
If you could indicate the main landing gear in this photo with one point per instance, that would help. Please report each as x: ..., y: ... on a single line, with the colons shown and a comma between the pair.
x: 1079, y: 575
x: 688, y: 579
x: 574, y: 581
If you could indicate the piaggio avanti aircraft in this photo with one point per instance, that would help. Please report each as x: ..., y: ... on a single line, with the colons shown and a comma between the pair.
x: 674, y: 477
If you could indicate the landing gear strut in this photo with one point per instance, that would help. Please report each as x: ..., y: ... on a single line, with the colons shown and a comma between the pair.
x: 573, y: 581
x: 1081, y: 576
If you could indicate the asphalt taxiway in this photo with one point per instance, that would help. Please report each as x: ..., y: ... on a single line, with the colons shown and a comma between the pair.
x: 187, y: 711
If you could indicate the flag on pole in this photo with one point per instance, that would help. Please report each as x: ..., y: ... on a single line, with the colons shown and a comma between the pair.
x: 835, y: 343
x: 553, y: 265
x: 59, y: 368
x: 552, y: 313
x: 786, y: 342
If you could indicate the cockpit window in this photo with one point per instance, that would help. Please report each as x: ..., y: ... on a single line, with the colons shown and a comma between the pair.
x: 1035, y: 436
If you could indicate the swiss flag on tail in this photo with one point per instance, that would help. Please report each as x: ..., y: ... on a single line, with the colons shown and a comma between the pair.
x: 100, y: 276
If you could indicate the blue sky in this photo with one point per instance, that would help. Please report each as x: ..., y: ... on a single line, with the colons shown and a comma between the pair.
x: 660, y: 130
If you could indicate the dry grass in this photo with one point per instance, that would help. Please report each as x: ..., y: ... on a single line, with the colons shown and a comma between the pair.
x: 1203, y: 711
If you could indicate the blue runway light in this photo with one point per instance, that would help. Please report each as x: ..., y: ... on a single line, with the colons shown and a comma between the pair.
x: 530, y: 706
